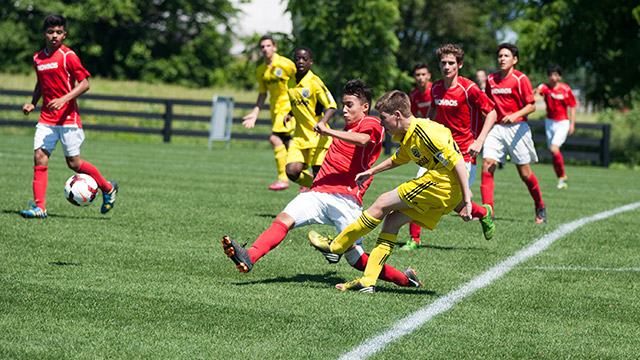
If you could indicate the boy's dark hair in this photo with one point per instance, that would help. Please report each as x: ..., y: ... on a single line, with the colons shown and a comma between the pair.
x: 452, y: 49
x: 510, y: 47
x: 54, y: 20
x: 394, y: 100
x: 555, y: 68
x: 305, y: 48
x: 266, y: 37
x: 358, y: 89
x: 420, y: 65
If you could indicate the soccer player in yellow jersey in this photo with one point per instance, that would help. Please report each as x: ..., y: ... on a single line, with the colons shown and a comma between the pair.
x: 311, y: 102
x: 273, y: 75
x: 422, y: 200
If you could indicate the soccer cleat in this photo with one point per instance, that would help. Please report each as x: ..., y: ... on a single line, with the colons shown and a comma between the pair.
x: 356, y: 285
x: 279, y: 185
x: 412, y: 277
x: 410, y: 245
x: 320, y: 242
x: 488, y: 227
x: 34, y: 213
x: 238, y: 254
x: 331, y: 257
x: 109, y: 199
x: 541, y: 215
x: 562, y: 183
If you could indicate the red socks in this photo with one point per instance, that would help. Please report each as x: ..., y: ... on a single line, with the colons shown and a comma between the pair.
x: 40, y: 179
x: 558, y: 164
x: 268, y: 240
x: 486, y: 188
x: 477, y: 211
x: 87, y: 168
x: 414, y: 232
x: 388, y: 273
x: 534, y: 190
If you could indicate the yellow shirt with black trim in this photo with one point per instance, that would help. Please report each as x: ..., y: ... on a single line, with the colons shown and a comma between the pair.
x: 274, y: 78
x: 309, y: 99
x: 431, y: 146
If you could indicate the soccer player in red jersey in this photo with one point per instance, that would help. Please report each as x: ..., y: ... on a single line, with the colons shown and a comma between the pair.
x: 334, y: 198
x: 558, y: 97
x: 420, y: 103
x: 512, y: 92
x: 458, y: 103
x: 58, y: 69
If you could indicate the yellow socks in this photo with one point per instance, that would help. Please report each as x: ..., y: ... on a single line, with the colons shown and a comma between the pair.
x: 378, y: 258
x: 281, y: 161
x: 353, y: 232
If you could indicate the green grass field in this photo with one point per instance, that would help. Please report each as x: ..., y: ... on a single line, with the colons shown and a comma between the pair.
x: 149, y: 280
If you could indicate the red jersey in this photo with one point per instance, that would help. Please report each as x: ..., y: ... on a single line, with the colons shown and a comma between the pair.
x: 557, y: 100
x: 57, y: 75
x: 510, y: 94
x: 421, y: 101
x: 344, y: 161
x: 460, y: 108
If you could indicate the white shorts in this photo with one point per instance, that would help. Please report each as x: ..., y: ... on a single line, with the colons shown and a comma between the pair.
x: 512, y: 139
x: 323, y: 208
x: 471, y: 169
x: 47, y: 136
x: 557, y: 131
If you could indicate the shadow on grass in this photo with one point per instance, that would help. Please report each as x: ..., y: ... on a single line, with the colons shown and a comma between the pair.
x: 440, y: 247
x: 270, y: 216
x: 49, y: 215
x: 329, y: 278
x: 64, y: 263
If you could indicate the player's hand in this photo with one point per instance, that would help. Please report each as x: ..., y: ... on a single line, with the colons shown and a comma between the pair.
x: 27, y: 108
x: 508, y: 119
x: 474, y: 149
x: 249, y: 121
x: 320, y: 128
x: 362, y: 177
x: 465, y: 213
x: 572, y: 129
x: 56, y: 104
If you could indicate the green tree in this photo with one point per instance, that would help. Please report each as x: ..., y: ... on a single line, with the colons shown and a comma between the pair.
x: 181, y: 41
x: 602, y: 37
x: 349, y: 39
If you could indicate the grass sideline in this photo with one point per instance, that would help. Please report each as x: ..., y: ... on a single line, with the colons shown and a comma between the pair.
x: 149, y: 279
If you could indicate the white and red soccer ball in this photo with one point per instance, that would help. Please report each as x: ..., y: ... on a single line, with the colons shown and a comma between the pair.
x: 81, y: 190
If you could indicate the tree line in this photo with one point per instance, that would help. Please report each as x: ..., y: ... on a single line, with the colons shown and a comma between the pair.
x: 188, y: 41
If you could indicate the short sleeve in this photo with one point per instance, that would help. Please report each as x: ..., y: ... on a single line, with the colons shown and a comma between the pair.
x: 75, y: 67
x: 324, y: 95
x: 527, y: 91
x: 480, y: 99
x: 571, y: 100
x: 262, y: 86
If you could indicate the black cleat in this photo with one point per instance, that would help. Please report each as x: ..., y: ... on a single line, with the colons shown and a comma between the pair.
x: 238, y: 254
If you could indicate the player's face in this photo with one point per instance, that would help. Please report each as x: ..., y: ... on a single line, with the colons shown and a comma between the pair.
x: 422, y: 76
x: 449, y: 66
x: 481, y: 77
x: 554, y: 78
x: 54, y: 36
x: 352, y: 109
x: 506, y: 61
x: 391, y: 122
x: 268, y: 48
x: 303, y: 61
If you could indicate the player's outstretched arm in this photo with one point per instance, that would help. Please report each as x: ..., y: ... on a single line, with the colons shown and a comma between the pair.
x: 355, y: 138
x: 461, y: 171
x: 37, y: 94
x: 249, y: 121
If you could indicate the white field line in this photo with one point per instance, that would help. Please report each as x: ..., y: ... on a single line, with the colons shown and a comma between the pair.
x: 576, y: 268
x: 414, y: 321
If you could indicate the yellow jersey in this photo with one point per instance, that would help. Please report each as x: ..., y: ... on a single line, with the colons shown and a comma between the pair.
x: 274, y: 78
x: 431, y: 146
x: 308, y: 99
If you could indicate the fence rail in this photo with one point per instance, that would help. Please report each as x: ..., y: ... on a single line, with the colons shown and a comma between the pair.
x: 592, y: 148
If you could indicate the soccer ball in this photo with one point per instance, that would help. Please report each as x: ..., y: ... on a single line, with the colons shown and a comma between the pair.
x: 81, y: 190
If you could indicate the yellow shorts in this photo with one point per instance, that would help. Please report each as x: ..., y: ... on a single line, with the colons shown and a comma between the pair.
x: 278, y: 126
x: 309, y: 156
x: 430, y: 196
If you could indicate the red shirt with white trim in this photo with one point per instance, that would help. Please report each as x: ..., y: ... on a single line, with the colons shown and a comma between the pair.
x: 344, y: 161
x: 420, y: 101
x: 460, y: 108
x: 557, y: 100
x: 510, y: 94
x: 57, y: 74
